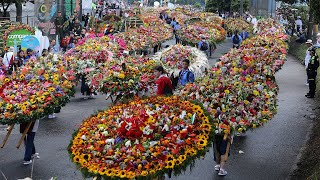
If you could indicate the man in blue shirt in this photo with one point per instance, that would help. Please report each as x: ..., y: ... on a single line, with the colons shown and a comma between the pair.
x: 204, y: 46
x: 175, y: 29
x: 185, y: 75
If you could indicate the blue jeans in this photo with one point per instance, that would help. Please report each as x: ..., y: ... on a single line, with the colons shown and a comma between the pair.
x: 29, y: 145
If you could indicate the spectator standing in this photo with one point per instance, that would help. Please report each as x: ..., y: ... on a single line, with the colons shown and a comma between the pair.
x: 58, y: 22
x: 312, y: 72
x: 298, y: 24
x: 175, y: 29
x: 244, y: 35
x: 308, y: 56
x: 21, y: 57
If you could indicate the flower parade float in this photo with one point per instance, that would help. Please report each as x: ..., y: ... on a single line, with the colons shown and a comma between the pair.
x: 240, y: 90
x: 142, y: 139
x: 34, y: 91
x: 171, y: 58
x: 239, y: 24
x: 124, y: 79
x: 192, y: 32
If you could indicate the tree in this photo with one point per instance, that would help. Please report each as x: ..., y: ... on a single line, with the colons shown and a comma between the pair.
x: 5, y: 5
x: 18, y: 4
x: 235, y: 5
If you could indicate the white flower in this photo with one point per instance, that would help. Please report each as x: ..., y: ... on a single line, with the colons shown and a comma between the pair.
x: 84, y: 137
x: 128, y: 143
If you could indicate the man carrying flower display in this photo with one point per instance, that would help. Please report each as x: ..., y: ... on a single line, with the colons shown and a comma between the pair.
x: 30, y: 150
x: 312, y: 73
x: 164, y: 84
x: 221, y: 148
x: 203, y: 45
x: 185, y: 75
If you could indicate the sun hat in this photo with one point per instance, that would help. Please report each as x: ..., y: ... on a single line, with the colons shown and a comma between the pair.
x: 309, y: 41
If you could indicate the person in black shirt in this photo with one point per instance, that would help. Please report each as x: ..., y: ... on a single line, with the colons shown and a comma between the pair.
x: 312, y: 72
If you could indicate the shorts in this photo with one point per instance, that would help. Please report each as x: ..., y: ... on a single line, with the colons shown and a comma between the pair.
x: 220, y: 147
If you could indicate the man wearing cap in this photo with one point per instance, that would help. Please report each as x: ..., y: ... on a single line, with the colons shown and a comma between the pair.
x: 298, y: 24
x: 308, y: 55
x: 58, y: 22
x: 312, y: 72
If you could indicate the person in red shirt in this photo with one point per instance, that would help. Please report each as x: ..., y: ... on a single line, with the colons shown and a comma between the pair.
x: 164, y: 84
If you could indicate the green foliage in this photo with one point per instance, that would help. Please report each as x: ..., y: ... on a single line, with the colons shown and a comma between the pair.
x: 186, y: 2
x: 197, y: 5
x: 226, y: 5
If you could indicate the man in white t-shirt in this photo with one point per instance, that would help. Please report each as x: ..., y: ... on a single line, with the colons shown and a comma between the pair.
x: 8, y: 57
x: 298, y: 24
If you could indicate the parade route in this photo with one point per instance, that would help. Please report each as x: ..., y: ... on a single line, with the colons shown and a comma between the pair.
x: 265, y: 153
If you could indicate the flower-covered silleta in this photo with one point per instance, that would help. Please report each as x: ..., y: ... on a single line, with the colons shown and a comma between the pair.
x: 141, y: 139
x: 35, y: 90
x: 240, y: 90
x: 192, y: 32
x: 171, y: 58
x: 239, y: 24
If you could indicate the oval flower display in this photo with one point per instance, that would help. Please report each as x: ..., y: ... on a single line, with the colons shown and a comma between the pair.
x: 141, y: 139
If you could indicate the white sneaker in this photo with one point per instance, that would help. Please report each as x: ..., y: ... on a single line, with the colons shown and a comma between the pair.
x: 222, y: 172
x: 35, y: 156
x: 51, y: 116
x: 217, y: 167
x: 27, y: 162
x: 85, y: 97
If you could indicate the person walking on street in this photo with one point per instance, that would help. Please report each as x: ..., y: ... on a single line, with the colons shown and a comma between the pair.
x: 58, y: 22
x: 30, y: 150
x: 221, y: 148
x: 308, y: 56
x: 203, y: 45
x: 175, y: 29
x: 312, y: 72
x: 298, y: 24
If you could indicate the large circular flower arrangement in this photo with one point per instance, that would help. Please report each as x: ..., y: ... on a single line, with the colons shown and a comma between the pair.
x: 35, y: 91
x: 243, y: 83
x: 172, y: 58
x: 191, y: 34
x: 124, y: 78
x: 141, y: 139
x: 239, y: 24
x: 12, y: 28
x: 94, y: 52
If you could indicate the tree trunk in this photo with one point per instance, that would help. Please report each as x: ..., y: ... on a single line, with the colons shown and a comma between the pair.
x: 18, y: 11
x: 310, y: 23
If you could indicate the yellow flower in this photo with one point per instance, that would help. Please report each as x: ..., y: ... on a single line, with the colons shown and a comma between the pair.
x: 169, y: 157
x: 9, y: 106
x: 109, y: 172
x: 121, y: 76
x: 144, y: 173
x: 6, y: 80
x: 22, y: 76
x: 246, y: 102
x: 76, y: 159
x: 202, y: 143
x: 170, y: 164
x: 122, y: 174
x: 227, y: 91
x: 256, y: 93
x: 182, y: 158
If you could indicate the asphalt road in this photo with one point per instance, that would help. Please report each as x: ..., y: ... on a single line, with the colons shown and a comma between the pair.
x: 270, y: 152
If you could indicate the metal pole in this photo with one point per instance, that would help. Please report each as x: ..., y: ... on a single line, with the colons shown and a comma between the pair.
x: 310, y: 24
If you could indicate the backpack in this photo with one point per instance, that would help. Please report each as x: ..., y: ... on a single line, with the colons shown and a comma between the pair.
x: 167, y: 90
x: 236, y: 39
x: 204, y: 46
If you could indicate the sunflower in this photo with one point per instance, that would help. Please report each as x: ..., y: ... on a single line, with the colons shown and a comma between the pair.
x: 170, y: 164
x: 109, y: 172
x: 144, y: 173
x: 102, y: 171
x: 202, y: 143
x: 177, y: 162
x: 182, y: 158
x: 22, y: 76
x: 76, y: 159
x: 169, y: 157
x: 116, y: 172
x: 122, y: 174
x: 9, y: 106
x: 6, y: 80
